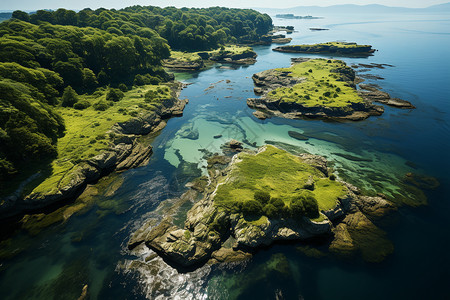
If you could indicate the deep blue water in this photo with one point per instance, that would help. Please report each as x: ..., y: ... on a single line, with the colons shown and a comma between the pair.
x: 91, y: 248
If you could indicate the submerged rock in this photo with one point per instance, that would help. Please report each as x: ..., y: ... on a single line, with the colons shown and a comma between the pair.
x: 373, y: 94
x: 298, y: 136
x: 422, y: 181
x: 260, y: 115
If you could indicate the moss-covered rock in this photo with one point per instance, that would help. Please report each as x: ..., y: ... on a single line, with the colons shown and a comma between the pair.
x: 312, y: 88
x: 342, y: 48
x: 260, y: 199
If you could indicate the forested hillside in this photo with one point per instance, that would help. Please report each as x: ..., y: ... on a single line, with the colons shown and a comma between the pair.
x: 49, y: 58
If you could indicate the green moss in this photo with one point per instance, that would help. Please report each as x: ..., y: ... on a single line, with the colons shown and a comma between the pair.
x: 330, y: 47
x: 322, y: 87
x: 281, y: 175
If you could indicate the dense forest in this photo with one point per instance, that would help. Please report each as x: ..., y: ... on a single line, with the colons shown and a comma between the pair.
x: 46, y: 58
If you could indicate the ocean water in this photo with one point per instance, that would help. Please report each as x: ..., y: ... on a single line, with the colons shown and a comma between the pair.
x: 90, y: 248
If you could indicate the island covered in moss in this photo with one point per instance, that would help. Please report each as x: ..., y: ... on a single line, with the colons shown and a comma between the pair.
x: 267, y: 196
x: 342, y: 48
x: 316, y: 88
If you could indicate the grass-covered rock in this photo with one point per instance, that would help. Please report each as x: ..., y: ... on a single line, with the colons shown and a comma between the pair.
x: 312, y: 88
x: 268, y: 196
x: 341, y: 48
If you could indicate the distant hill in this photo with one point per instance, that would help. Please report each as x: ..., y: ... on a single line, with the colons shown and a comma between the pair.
x: 353, y: 8
x: 5, y: 16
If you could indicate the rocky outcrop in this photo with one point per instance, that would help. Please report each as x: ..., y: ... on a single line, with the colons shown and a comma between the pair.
x: 125, y: 152
x: 371, y: 93
x: 213, y: 234
x: 184, y: 65
x: 270, y: 80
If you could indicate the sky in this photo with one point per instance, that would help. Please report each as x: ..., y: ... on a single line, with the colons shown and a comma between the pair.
x: 80, y: 4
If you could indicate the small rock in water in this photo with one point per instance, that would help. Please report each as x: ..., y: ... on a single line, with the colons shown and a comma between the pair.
x: 235, y: 144
x: 411, y: 164
x: 260, y: 115
x: 422, y: 181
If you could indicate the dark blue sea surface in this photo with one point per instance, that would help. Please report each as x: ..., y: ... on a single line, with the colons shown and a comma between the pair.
x: 90, y: 248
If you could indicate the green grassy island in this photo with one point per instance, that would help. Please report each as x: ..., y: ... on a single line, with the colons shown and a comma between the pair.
x: 267, y: 196
x: 340, y: 48
x: 78, y: 90
x: 316, y: 88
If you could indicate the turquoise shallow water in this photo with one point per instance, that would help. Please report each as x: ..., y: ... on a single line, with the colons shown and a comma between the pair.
x: 91, y: 248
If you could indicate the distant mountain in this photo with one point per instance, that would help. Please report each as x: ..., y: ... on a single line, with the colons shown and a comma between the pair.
x: 445, y: 7
x: 353, y: 8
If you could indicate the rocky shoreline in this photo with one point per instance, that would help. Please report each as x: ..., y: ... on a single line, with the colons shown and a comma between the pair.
x: 212, y: 235
x: 125, y: 152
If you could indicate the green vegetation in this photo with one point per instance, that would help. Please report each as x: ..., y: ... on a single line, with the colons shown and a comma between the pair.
x: 273, y: 183
x: 230, y: 50
x: 53, y: 59
x: 41, y: 63
x: 325, y: 85
x: 84, y: 138
x: 184, y: 29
